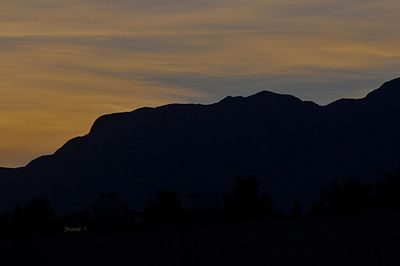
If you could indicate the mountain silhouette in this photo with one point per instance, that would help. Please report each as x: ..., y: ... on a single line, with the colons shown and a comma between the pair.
x: 293, y: 146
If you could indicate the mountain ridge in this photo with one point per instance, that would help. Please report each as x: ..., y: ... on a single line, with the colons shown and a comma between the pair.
x: 293, y: 146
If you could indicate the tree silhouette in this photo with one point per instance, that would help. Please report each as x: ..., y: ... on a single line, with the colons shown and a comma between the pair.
x: 389, y: 190
x: 165, y: 208
x: 34, y: 217
x: 110, y: 213
x: 246, y: 201
x: 347, y: 196
x: 297, y: 210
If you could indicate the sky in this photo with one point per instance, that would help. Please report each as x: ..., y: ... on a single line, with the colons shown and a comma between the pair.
x: 63, y: 63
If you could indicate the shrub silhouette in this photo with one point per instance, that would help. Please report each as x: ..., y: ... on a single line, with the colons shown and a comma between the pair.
x: 246, y: 201
x: 165, y: 208
x: 347, y: 196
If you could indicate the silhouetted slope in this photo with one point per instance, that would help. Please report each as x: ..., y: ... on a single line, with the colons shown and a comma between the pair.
x: 292, y: 146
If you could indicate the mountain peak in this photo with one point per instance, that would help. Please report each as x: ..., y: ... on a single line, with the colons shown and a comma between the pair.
x: 271, y: 95
x: 389, y: 91
x: 262, y: 97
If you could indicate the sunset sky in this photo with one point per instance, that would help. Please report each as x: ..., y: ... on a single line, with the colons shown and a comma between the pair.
x: 66, y: 62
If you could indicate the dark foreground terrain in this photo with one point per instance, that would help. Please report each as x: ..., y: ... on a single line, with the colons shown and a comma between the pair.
x: 340, y: 240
